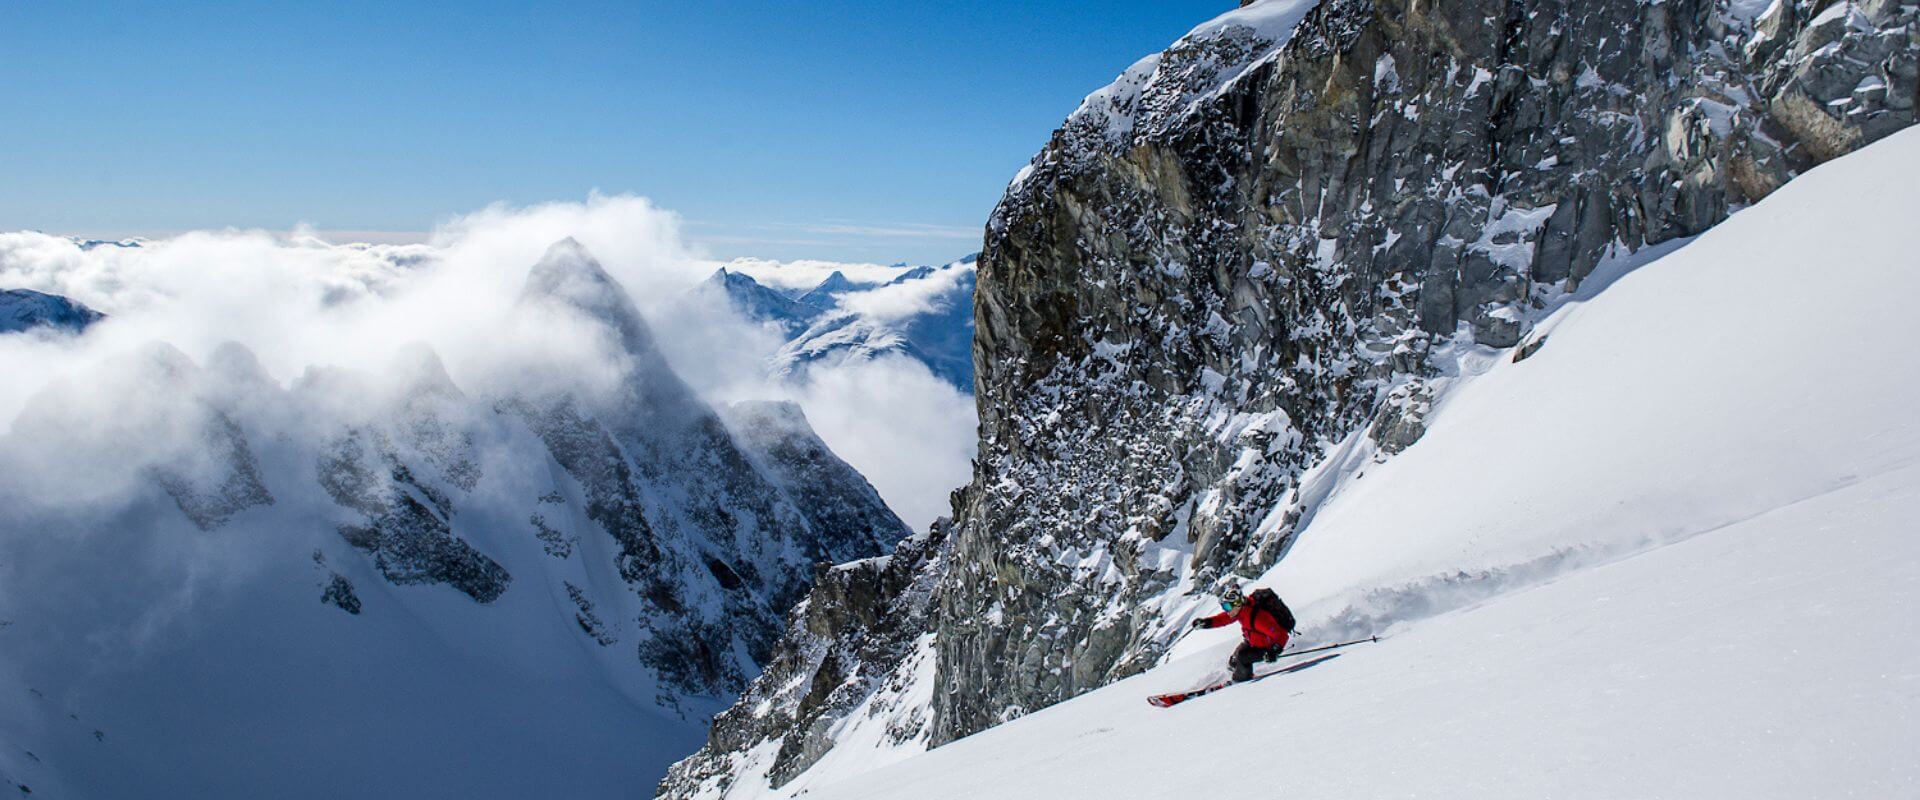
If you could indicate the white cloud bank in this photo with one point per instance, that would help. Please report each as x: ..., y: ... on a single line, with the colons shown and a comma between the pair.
x: 302, y: 304
x: 932, y: 295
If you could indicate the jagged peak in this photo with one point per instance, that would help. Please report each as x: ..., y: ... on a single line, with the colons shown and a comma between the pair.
x: 737, y: 281
x: 236, y: 358
x: 912, y: 275
x: 420, y: 372
x: 236, y: 369
x: 157, y: 360
x: 835, y: 282
x: 565, y: 269
x: 570, y: 276
x: 827, y: 293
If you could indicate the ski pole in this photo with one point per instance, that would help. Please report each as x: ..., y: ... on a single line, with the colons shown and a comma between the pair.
x: 1184, y: 634
x: 1328, y: 647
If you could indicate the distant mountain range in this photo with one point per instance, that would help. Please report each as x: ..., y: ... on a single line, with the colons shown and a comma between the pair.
x: 924, y: 314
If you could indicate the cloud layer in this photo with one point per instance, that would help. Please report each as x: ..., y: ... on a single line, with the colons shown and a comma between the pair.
x: 933, y: 295
x: 303, y: 305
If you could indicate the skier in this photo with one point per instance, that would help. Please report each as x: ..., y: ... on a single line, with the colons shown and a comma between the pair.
x: 1265, y: 625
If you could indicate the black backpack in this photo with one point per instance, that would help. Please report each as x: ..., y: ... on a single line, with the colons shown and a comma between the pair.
x: 1266, y: 600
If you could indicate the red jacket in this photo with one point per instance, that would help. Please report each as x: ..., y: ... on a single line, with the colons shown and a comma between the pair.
x: 1258, y: 627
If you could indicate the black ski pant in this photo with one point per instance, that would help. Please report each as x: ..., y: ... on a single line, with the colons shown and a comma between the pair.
x: 1245, y: 656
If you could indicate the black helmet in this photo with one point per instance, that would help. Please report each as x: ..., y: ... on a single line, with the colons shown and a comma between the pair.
x: 1231, y: 597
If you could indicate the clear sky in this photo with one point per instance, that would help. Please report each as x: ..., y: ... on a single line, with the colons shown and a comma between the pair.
x: 876, y: 131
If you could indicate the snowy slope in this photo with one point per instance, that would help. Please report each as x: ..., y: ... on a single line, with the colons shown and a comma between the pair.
x: 1772, y: 658
x: 1668, y: 554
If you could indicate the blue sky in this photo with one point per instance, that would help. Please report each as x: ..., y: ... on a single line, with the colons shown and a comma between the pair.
x: 876, y: 131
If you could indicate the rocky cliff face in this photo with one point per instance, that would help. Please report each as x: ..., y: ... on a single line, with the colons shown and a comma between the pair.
x: 710, y: 540
x: 842, y: 509
x: 1277, y: 237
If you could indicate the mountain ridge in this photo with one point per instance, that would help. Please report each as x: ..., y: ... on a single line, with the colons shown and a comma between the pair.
x: 365, y: 513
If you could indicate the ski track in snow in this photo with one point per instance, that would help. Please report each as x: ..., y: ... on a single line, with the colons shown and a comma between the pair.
x: 1684, y: 671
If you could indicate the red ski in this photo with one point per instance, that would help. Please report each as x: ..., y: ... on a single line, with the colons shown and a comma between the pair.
x: 1169, y: 700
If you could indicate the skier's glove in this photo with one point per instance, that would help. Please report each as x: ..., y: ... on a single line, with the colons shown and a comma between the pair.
x: 1198, y: 623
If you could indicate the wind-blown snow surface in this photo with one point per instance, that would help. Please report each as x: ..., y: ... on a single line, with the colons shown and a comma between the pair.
x: 1669, y: 554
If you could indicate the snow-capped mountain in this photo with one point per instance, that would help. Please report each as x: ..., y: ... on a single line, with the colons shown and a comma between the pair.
x: 1258, y: 267
x: 827, y: 295
x: 25, y: 309
x: 760, y: 304
x: 924, y: 314
x: 544, y: 590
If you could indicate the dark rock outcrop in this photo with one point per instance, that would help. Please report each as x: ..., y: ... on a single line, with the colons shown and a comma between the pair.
x: 406, y: 529
x: 172, y: 420
x: 339, y: 593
